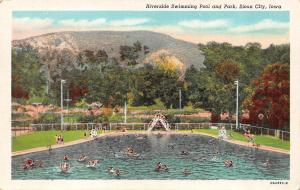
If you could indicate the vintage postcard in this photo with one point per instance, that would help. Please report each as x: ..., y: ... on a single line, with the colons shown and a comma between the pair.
x: 150, y: 95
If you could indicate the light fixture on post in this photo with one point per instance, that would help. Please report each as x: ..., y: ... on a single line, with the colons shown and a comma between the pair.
x: 61, y: 104
x: 237, y: 104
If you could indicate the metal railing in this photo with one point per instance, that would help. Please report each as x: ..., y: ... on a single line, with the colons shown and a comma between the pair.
x: 284, y: 135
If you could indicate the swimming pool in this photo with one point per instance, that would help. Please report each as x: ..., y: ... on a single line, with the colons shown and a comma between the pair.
x: 205, y: 159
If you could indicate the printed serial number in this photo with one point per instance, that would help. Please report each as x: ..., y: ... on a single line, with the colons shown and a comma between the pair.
x: 279, y: 182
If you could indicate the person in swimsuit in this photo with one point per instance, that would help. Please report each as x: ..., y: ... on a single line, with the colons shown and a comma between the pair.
x: 66, y: 157
x: 117, y: 172
x: 186, y: 172
x: 228, y: 163
x: 64, y: 167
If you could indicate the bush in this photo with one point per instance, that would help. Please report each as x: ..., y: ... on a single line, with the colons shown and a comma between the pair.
x: 91, y: 119
x: 82, y: 104
x: 116, y: 118
x: 20, y: 116
x: 19, y: 100
x: 48, y: 118
x: 38, y: 99
x: 171, y: 118
x: 195, y: 120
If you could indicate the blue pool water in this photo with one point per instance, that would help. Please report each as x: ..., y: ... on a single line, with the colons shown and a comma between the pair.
x: 205, y: 159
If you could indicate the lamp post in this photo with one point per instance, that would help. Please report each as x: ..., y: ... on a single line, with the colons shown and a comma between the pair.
x: 68, y: 100
x: 237, y: 103
x: 125, y: 112
x: 61, y: 103
x: 179, y: 98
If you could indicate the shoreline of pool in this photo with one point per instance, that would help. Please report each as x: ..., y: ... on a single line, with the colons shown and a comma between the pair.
x: 71, y: 143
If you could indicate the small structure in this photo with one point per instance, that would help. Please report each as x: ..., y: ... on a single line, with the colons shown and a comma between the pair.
x: 159, y: 122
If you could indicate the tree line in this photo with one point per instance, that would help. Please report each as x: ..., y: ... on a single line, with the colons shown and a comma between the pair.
x: 263, y: 75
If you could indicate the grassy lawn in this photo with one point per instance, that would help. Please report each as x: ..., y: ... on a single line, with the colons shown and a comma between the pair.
x: 259, y: 139
x: 43, y: 138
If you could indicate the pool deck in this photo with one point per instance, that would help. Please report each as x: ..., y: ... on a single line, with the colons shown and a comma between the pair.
x: 246, y: 144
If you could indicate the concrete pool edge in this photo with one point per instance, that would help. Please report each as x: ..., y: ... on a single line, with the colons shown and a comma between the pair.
x: 246, y: 144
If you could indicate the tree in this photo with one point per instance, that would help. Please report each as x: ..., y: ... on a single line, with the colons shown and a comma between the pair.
x: 109, y: 87
x: 228, y: 71
x: 168, y: 88
x: 144, y: 86
x: 270, y: 96
x: 130, y: 54
x: 214, y: 91
x: 27, y: 76
x: 194, y: 86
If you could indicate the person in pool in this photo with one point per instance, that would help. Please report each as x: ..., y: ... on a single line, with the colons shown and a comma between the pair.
x: 164, y: 168
x: 267, y: 163
x: 82, y: 158
x: 29, y: 162
x: 228, y: 163
x: 186, y: 172
x: 131, y: 152
x: 39, y: 163
x: 184, y: 152
x: 66, y: 157
x: 111, y: 170
x: 26, y: 166
x: 158, y: 166
x: 117, y: 172
x: 64, y: 167
x: 93, y: 163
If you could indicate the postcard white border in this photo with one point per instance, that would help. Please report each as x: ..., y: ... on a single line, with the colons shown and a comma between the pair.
x: 7, y: 6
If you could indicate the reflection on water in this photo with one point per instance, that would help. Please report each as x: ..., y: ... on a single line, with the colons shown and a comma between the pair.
x: 204, y: 159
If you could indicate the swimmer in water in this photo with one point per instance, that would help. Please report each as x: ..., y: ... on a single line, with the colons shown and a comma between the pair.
x: 228, y: 163
x: 39, y: 163
x: 111, y: 170
x: 29, y: 162
x: 93, y: 163
x: 184, y: 152
x: 117, y: 172
x: 165, y: 167
x: 64, y: 167
x: 25, y: 166
x: 186, y: 172
x: 82, y: 158
x: 267, y: 163
x: 66, y: 157
x: 158, y: 166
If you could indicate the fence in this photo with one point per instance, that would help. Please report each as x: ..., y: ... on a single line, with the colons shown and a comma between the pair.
x: 284, y: 135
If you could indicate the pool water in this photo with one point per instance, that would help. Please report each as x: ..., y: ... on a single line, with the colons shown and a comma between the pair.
x: 205, y: 159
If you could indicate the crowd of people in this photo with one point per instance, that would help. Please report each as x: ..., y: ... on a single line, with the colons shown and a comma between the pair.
x: 65, y: 167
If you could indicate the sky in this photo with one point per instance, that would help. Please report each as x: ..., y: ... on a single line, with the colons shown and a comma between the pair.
x: 235, y: 27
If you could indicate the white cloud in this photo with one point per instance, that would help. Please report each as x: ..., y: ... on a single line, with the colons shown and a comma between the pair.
x: 83, y: 23
x: 25, y: 24
x: 129, y: 22
x: 202, y: 24
x: 266, y: 24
